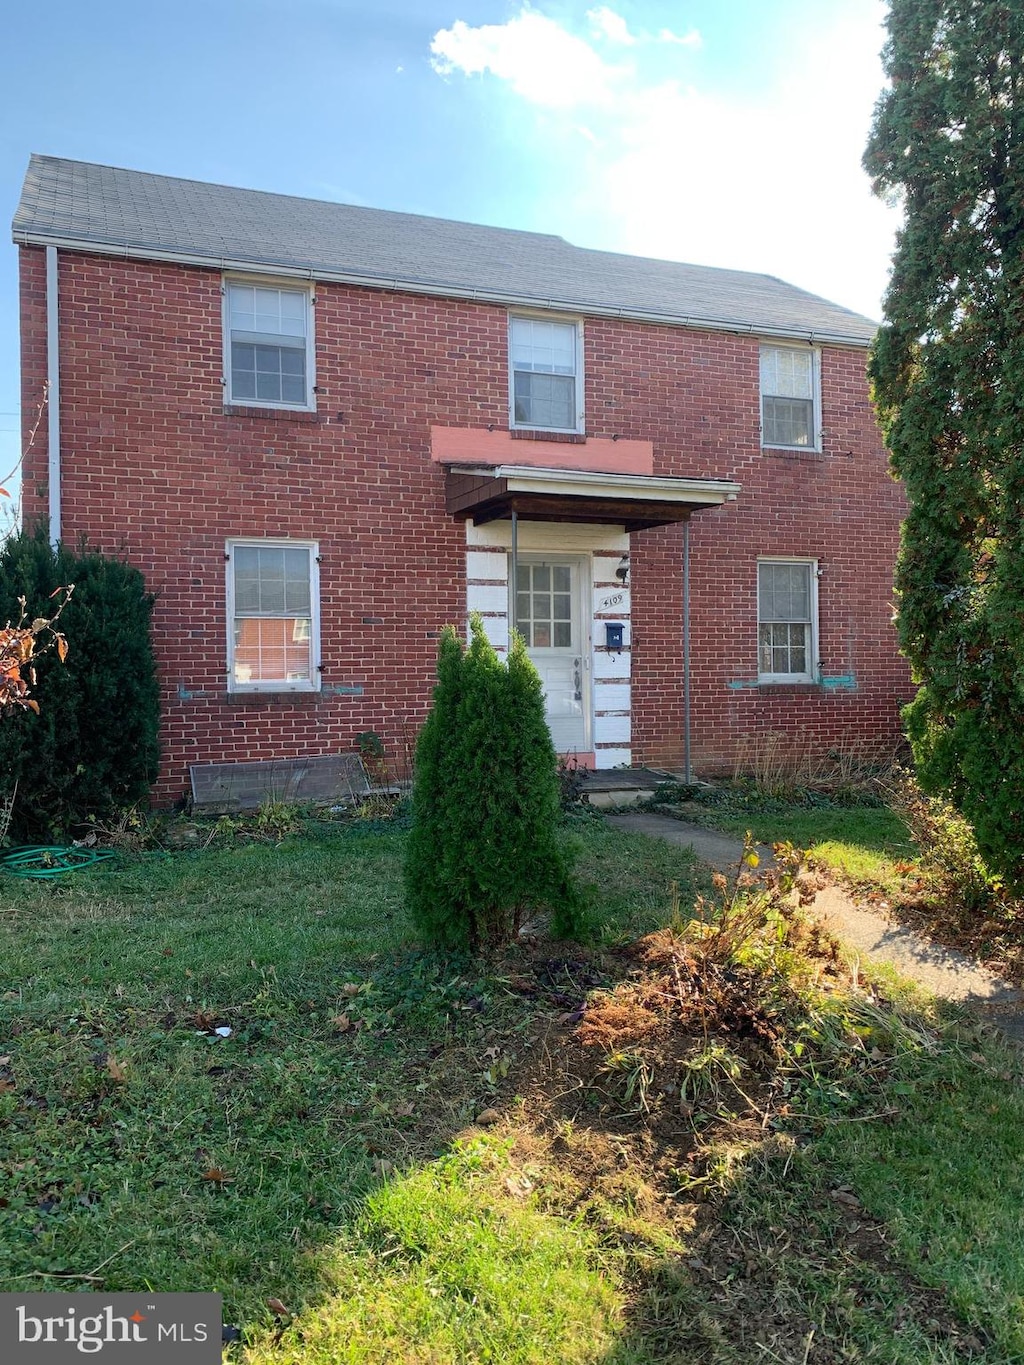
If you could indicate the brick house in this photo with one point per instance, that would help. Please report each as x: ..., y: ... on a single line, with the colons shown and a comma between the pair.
x: 323, y: 432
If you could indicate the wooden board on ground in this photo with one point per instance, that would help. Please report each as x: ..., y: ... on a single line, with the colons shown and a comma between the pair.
x: 332, y: 779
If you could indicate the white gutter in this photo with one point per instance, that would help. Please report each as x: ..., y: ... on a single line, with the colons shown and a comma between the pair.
x: 53, y: 393
x: 436, y: 289
x: 585, y: 482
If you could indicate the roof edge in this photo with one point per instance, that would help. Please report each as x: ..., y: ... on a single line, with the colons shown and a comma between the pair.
x: 22, y: 237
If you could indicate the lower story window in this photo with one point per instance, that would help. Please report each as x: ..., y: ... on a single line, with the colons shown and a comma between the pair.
x: 787, y: 625
x: 273, y: 616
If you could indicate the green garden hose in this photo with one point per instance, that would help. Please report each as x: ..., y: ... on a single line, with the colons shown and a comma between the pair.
x: 50, y: 860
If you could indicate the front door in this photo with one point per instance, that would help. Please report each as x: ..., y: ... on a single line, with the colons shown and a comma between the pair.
x: 549, y: 615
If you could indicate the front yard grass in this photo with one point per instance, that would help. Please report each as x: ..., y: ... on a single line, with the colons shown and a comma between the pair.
x: 866, y: 843
x: 234, y: 1071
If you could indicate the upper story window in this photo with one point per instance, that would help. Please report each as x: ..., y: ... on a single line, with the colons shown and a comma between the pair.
x: 268, y: 345
x: 790, y: 397
x: 273, y: 616
x: 787, y: 620
x: 547, y: 374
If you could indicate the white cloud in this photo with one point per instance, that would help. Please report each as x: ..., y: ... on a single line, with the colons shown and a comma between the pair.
x: 769, y: 183
x: 691, y: 39
x: 608, y: 24
x: 540, y: 60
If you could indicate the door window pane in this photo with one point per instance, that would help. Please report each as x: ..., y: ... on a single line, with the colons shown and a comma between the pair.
x: 543, y: 617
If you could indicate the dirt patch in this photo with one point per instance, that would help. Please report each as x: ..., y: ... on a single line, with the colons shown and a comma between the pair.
x: 652, y: 1108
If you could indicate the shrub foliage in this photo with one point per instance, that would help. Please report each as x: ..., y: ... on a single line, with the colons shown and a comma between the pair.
x: 948, y: 377
x: 483, y: 850
x: 92, y: 747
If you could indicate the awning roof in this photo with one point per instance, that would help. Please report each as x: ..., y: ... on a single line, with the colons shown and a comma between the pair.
x: 635, y: 501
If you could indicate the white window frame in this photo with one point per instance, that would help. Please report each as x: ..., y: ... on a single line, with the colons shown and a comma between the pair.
x: 578, y: 390
x: 810, y: 675
x: 291, y: 286
x: 310, y: 684
x: 815, y: 351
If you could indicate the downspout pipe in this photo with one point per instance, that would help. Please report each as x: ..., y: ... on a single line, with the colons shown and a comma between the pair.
x: 514, y: 576
x: 53, y: 394
x: 687, y: 772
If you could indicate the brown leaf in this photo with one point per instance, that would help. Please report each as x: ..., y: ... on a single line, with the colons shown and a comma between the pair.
x: 342, y: 1022
x: 116, y: 1070
x: 404, y: 1111
x: 488, y: 1116
x: 62, y: 648
x: 5, y: 1084
x: 350, y: 988
x: 278, y: 1308
x: 218, y: 1177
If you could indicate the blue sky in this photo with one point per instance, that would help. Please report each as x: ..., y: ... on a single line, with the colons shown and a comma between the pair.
x: 722, y: 132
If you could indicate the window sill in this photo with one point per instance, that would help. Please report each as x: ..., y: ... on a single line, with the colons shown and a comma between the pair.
x: 268, y: 698
x: 793, y: 452
x: 542, y: 434
x: 271, y: 414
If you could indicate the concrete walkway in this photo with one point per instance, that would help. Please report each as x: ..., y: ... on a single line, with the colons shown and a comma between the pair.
x: 867, y: 935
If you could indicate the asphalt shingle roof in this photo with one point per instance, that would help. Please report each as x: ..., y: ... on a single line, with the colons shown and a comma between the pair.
x: 105, y: 209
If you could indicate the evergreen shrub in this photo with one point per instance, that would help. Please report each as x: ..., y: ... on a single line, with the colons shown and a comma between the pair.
x: 93, y: 747
x: 484, y: 849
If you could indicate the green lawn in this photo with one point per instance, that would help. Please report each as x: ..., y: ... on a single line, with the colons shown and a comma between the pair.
x: 323, y: 1152
x: 864, y: 843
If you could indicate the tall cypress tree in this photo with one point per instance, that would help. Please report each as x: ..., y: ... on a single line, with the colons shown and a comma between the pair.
x: 483, y: 848
x: 948, y: 376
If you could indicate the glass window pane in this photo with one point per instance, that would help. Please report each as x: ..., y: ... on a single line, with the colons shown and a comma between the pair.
x: 243, y: 384
x: 268, y: 388
x: 542, y: 606
x: 542, y: 635
x: 522, y: 607
x: 562, y: 609
x: 563, y: 635
x: 541, y: 580
x: 523, y: 578
x: 292, y: 390
x: 562, y: 578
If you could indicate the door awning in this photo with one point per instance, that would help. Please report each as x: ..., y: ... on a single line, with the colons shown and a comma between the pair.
x: 635, y: 501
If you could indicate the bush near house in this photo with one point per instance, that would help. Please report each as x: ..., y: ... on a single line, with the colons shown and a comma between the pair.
x: 483, y: 845
x: 93, y: 746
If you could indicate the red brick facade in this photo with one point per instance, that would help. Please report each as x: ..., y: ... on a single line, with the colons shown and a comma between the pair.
x: 157, y: 469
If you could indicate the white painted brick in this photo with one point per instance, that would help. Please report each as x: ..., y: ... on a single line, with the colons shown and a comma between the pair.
x: 611, y: 602
x: 611, y: 665
x: 612, y: 730
x: 487, y: 598
x: 480, y: 564
x: 613, y: 758
x: 612, y: 697
x: 496, y: 630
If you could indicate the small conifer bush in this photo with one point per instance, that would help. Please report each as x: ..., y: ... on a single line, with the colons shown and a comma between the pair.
x: 483, y: 850
x: 92, y: 748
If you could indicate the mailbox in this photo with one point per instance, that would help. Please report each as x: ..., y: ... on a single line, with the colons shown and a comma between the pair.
x: 613, y: 634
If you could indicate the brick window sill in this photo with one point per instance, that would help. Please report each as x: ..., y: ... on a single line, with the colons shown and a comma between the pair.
x: 575, y: 438
x: 242, y: 700
x: 269, y: 414
x: 784, y: 453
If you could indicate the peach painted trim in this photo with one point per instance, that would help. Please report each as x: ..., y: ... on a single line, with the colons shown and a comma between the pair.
x: 583, y: 760
x: 475, y: 445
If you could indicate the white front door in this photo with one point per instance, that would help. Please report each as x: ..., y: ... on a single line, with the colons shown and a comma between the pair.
x: 550, y: 617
